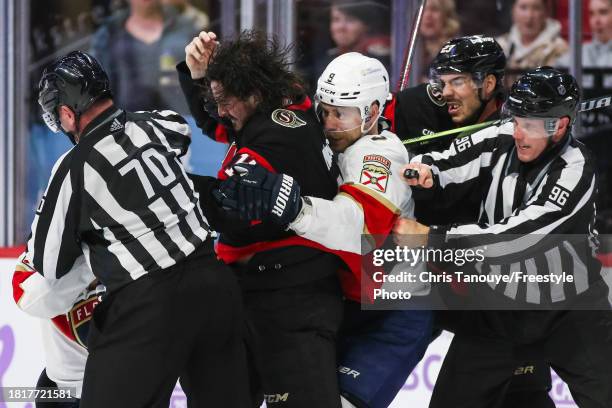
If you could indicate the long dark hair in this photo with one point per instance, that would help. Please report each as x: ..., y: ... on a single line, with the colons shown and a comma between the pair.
x: 254, y: 64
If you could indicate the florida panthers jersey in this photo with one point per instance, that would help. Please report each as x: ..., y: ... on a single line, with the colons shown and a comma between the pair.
x: 371, y: 198
x: 65, y: 307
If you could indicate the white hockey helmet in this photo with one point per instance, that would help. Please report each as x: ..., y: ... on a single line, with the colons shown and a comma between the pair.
x: 352, y: 79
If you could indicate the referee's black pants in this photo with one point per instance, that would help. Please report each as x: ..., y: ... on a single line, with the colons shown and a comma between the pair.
x: 478, y: 367
x: 184, y: 321
x: 531, y: 382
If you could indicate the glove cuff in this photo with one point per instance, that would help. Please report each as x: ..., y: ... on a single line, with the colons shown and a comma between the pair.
x: 300, y: 224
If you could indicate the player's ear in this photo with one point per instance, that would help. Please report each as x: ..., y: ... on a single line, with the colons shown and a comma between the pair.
x: 374, y: 109
x: 488, y: 85
x: 255, y: 98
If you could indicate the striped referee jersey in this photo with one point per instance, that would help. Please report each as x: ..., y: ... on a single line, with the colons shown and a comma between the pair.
x: 120, y: 198
x: 535, y: 218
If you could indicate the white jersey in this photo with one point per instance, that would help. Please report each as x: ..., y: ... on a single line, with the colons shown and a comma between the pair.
x: 371, y: 198
x: 369, y: 167
x: 65, y: 307
x: 375, y: 161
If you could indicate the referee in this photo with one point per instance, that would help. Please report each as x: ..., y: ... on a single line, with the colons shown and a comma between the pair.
x: 122, y: 199
x: 538, y: 182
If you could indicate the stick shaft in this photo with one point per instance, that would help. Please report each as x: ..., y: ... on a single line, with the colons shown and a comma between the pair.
x: 588, y: 105
x: 411, y: 45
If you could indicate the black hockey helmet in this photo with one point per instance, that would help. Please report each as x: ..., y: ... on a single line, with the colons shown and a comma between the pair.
x: 544, y: 92
x: 76, y: 80
x: 476, y: 54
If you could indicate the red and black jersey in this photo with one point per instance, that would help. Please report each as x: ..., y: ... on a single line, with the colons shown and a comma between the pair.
x: 419, y: 111
x: 416, y: 112
x: 287, y: 140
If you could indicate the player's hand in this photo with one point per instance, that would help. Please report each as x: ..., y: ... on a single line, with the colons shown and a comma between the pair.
x: 258, y: 194
x: 410, y: 233
x: 198, y: 52
x: 425, y: 176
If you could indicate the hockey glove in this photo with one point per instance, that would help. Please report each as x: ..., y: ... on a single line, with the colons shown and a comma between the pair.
x: 226, y: 194
x: 262, y: 195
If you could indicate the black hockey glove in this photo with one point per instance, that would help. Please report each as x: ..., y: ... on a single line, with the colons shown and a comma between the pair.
x: 258, y: 194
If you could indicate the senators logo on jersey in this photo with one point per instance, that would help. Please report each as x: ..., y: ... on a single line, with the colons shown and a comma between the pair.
x: 435, y: 95
x: 287, y: 118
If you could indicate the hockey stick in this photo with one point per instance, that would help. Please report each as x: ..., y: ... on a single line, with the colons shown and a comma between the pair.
x: 411, y: 44
x: 588, y: 105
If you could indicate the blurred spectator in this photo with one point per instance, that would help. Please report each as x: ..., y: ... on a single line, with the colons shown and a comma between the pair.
x: 597, y: 53
x: 192, y: 13
x: 139, y: 49
x: 491, y: 18
x: 534, y: 39
x: 438, y: 25
x: 361, y: 26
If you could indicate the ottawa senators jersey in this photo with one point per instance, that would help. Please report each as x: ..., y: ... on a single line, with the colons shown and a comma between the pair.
x: 287, y: 140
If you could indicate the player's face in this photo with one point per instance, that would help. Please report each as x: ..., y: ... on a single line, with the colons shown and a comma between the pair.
x: 229, y: 107
x: 342, y: 125
x: 346, y: 31
x: 531, y: 137
x: 461, y: 94
x: 529, y: 17
x: 600, y: 19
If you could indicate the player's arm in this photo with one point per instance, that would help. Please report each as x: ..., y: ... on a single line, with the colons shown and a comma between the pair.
x: 196, y: 88
x: 368, y: 202
x: 219, y: 219
x: 47, y: 298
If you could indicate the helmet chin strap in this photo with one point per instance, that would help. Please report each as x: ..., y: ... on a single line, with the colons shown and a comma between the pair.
x: 357, y: 130
x: 360, y: 129
x: 374, y: 122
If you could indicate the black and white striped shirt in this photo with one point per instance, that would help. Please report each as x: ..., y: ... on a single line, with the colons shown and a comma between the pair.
x: 524, y: 205
x: 122, y: 199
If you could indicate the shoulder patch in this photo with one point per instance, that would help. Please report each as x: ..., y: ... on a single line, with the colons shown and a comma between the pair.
x: 376, y: 158
x: 287, y: 118
x: 378, y: 137
x: 435, y: 95
x: 375, y: 177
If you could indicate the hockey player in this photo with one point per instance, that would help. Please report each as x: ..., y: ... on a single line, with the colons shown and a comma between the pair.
x: 64, y: 334
x: 467, y: 73
x: 549, y: 187
x: 473, y: 67
x: 465, y: 89
x: 242, y: 92
x: 378, y: 349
